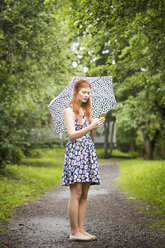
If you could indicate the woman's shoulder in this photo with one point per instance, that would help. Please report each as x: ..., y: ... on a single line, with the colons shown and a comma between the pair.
x: 69, y: 110
x: 70, y: 106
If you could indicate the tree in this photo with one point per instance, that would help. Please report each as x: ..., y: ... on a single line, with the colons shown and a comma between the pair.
x: 125, y: 40
x: 33, y: 66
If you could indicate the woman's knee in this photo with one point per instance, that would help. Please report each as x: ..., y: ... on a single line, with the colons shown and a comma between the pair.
x: 85, y: 190
x: 84, y: 196
x: 76, y: 190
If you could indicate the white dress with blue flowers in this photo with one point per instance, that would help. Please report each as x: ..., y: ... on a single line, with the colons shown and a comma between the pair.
x: 80, y: 161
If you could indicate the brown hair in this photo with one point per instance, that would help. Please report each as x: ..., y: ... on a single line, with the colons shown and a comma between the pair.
x: 75, y: 101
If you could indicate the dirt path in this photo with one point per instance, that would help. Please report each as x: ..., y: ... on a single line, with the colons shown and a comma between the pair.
x: 110, y: 216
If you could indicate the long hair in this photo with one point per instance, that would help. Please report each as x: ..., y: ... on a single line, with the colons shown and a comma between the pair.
x: 76, y: 104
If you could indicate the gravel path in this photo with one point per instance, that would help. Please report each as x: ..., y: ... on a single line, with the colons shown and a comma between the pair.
x: 110, y: 216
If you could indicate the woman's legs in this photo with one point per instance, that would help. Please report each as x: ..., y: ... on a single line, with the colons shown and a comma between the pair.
x: 73, y: 207
x: 77, y: 207
x: 82, y: 207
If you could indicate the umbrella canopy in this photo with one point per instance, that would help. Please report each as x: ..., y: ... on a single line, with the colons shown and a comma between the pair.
x: 102, y: 99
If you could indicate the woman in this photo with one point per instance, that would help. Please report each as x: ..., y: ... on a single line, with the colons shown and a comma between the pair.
x: 80, y: 162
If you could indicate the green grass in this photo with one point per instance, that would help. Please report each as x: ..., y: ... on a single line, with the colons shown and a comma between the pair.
x: 45, y: 157
x: 144, y: 180
x: 116, y: 152
x: 20, y: 184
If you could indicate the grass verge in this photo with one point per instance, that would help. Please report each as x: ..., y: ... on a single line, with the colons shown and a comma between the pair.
x: 20, y: 184
x: 145, y: 180
x: 116, y: 152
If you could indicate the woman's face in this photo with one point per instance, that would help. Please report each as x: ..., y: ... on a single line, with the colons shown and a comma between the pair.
x: 84, y: 94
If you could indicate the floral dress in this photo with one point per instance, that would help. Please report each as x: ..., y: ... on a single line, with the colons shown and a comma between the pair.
x: 80, y: 161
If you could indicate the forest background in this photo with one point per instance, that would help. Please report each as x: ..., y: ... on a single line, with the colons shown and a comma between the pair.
x: 43, y: 44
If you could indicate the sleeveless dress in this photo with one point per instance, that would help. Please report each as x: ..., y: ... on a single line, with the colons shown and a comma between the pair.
x: 80, y: 160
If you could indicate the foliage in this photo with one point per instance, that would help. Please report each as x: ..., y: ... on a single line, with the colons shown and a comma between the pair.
x: 126, y: 40
x: 126, y: 123
x: 21, y: 184
x: 39, y: 41
x: 34, y: 65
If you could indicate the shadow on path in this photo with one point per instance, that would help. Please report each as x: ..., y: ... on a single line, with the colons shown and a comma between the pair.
x: 110, y: 216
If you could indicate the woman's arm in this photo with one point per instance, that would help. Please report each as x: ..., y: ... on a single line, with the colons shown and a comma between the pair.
x: 69, y: 119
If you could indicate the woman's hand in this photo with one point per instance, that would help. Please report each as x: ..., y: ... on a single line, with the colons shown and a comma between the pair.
x: 97, y: 122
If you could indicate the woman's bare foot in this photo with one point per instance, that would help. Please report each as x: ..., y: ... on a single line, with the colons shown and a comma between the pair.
x: 87, y: 234
x: 78, y: 234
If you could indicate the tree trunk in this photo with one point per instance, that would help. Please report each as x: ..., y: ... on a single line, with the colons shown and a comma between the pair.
x: 132, y: 148
x: 106, y: 135
x: 111, y: 141
x: 149, y: 145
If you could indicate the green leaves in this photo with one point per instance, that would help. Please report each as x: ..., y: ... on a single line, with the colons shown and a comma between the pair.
x: 122, y: 39
x: 133, y: 34
x: 34, y: 65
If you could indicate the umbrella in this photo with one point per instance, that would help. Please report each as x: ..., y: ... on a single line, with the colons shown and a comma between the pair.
x: 102, y: 99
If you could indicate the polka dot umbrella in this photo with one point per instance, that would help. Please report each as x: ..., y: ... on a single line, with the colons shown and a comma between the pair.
x: 102, y: 99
